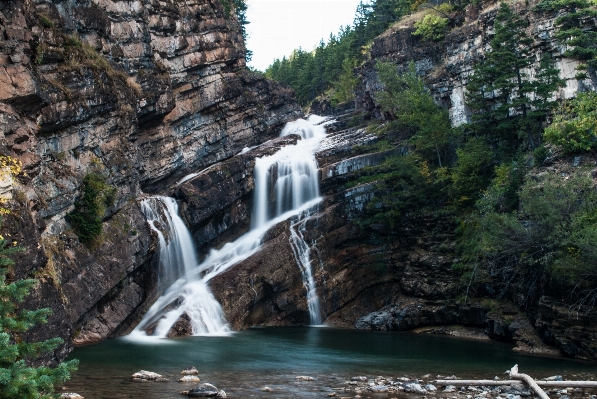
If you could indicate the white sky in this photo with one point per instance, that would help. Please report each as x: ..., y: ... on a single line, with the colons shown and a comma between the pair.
x: 279, y: 26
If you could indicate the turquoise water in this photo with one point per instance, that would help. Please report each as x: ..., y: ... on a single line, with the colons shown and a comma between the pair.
x: 245, y: 362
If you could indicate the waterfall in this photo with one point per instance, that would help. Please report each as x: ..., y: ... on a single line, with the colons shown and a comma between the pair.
x: 286, y: 185
x: 302, y: 254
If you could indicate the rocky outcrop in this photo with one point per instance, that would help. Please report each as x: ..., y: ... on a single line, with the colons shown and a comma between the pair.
x: 142, y: 93
x: 446, y: 65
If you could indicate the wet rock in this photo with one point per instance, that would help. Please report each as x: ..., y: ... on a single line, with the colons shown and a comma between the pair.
x: 304, y: 378
x: 144, y: 375
x: 430, y: 387
x: 71, y: 395
x: 189, y: 378
x: 450, y: 388
x: 359, y: 378
x: 414, y: 387
x: 553, y: 378
x: 267, y: 389
x: 203, y: 391
x: 379, y: 389
x: 183, y: 327
x: 222, y: 395
x: 190, y: 371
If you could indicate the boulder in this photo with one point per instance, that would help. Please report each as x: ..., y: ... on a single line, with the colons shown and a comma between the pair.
x: 203, y: 391
x: 144, y: 375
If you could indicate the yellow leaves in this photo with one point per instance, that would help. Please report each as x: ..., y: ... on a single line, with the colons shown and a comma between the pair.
x: 10, y: 165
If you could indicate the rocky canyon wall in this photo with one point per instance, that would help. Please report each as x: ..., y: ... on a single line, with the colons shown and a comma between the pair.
x: 140, y: 92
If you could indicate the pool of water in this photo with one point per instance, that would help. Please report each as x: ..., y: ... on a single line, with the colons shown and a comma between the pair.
x: 245, y: 362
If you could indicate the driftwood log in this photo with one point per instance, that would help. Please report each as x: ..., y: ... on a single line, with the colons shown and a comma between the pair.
x: 517, y: 378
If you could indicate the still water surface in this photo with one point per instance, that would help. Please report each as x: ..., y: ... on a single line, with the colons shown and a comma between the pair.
x: 243, y: 363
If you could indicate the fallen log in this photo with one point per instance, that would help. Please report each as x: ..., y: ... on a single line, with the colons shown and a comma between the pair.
x: 493, y: 383
x: 530, y: 382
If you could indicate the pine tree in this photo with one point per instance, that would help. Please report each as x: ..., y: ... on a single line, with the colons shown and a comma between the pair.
x: 499, y: 89
x: 576, y: 31
x: 18, y: 379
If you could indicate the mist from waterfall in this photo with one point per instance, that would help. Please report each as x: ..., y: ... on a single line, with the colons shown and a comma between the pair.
x: 286, y: 185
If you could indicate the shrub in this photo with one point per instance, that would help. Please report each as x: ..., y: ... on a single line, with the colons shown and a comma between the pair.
x: 86, y: 219
x: 575, y: 127
x: 431, y: 27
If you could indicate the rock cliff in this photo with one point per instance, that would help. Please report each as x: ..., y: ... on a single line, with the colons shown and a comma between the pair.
x: 446, y: 65
x: 140, y: 92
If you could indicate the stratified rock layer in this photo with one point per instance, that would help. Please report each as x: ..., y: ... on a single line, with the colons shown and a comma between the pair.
x: 141, y: 92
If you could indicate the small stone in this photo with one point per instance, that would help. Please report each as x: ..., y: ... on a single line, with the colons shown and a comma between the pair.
x: 222, y: 395
x: 71, y: 395
x: 304, y: 378
x: 189, y: 378
x: 359, y: 378
x: 452, y: 377
x: 430, y: 387
x: 379, y: 389
x: 267, y: 389
x: 553, y: 378
x: 184, y: 393
x: 450, y: 388
x: 331, y: 395
x: 162, y: 379
x: 190, y: 371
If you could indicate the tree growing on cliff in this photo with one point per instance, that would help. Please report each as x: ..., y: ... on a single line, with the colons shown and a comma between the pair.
x: 576, y: 31
x: 18, y: 379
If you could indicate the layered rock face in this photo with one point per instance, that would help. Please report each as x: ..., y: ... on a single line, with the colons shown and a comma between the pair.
x: 140, y: 92
x: 447, y: 65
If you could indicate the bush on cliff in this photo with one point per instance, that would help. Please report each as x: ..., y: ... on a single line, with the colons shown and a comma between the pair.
x: 575, y: 125
x: 86, y: 219
x: 18, y: 379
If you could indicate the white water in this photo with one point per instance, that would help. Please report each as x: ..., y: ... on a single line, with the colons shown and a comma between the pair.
x: 286, y: 185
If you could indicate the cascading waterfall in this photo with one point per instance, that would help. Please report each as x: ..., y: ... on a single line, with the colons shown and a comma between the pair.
x: 286, y: 185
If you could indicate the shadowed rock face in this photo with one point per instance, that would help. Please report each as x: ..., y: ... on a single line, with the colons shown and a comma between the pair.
x: 143, y: 92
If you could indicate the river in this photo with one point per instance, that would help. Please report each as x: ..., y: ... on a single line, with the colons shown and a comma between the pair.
x: 244, y: 362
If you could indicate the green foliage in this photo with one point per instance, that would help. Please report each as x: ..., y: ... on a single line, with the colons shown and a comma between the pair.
x: 240, y: 11
x: 86, y: 219
x: 19, y: 380
x: 540, y: 154
x: 549, y: 237
x: 310, y: 74
x: 45, y: 21
x: 472, y: 171
x: 575, y: 30
x: 408, y: 100
x: 431, y: 27
x: 575, y: 125
x: 344, y: 87
x: 405, y: 185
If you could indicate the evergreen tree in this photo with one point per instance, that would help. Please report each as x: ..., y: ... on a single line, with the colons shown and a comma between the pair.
x: 499, y: 88
x: 506, y: 102
x: 18, y: 379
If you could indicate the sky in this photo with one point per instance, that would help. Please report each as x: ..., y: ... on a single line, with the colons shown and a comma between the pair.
x: 279, y: 26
